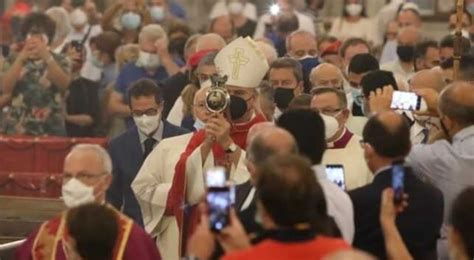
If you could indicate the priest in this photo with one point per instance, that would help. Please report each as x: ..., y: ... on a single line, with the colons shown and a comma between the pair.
x: 87, y: 175
x: 153, y: 182
x: 223, y: 140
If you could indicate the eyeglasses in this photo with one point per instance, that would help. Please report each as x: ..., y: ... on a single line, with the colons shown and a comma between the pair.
x: 331, y: 112
x: 82, y: 176
x: 148, y: 112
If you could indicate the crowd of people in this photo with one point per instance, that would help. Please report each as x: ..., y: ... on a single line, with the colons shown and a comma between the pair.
x: 299, y: 99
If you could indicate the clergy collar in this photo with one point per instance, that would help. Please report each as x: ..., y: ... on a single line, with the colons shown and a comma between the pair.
x: 158, y: 135
x: 342, y: 141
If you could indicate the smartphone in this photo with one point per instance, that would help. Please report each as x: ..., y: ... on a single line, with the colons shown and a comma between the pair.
x: 77, y: 45
x: 398, y: 182
x: 216, y: 177
x: 219, y: 203
x: 402, y: 100
x: 335, y: 173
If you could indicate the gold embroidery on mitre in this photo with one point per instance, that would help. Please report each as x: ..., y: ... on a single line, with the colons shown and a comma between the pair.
x: 237, y: 60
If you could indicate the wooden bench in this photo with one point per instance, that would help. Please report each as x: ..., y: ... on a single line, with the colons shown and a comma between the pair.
x: 19, y: 216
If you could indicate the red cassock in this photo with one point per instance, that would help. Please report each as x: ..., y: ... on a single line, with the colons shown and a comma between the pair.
x: 47, y: 243
x: 188, y: 220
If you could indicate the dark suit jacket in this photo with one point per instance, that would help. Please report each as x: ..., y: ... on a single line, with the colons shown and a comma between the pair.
x: 419, y: 224
x: 127, y: 158
x: 172, y: 88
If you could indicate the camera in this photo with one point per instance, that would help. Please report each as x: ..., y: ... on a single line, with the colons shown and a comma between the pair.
x: 77, y: 45
x: 217, y: 98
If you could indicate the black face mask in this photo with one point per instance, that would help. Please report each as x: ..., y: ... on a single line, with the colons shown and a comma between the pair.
x: 238, y: 107
x: 283, y: 97
x: 405, y: 53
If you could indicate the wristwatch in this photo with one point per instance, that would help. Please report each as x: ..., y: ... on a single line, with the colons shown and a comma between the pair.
x: 232, y: 148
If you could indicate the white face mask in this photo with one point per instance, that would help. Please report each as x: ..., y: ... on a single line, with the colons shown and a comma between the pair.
x: 206, y: 84
x: 157, y: 13
x: 147, y: 124
x: 235, y: 8
x: 198, y: 124
x: 76, y: 193
x: 354, y: 9
x: 331, y: 126
x: 148, y: 61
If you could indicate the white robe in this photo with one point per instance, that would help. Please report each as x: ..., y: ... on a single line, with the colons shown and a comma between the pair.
x: 195, y: 170
x: 151, y: 187
x: 356, y: 172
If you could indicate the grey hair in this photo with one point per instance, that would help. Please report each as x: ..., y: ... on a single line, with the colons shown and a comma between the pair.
x: 61, y: 18
x: 192, y: 39
x: 98, y: 150
x: 153, y: 32
x: 208, y: 59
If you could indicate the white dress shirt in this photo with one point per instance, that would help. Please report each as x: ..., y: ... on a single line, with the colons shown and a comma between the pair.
x: 339, y: 204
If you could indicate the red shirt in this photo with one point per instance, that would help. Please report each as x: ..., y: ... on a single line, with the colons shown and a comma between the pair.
x: 274, y: 250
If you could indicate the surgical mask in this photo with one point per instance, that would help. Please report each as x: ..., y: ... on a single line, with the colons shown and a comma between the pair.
x: 130, y: 21
x: 331, y: 126
x: 148, y: 61
x: 75, y: 193
x: 283, y: 97
x: 405, y: 53
x: 235, y: 8
x: 238, y: 107
x: 78, y: 17
x: 354, y: 9
x: 198, y: 124
x: 356, y: 92
x: 157, y: 13
x: 205, y: 84
x: 147, y: 124
x: 307, y: 56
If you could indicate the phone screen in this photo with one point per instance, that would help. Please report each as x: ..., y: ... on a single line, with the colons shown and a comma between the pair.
x: 219, y: 201
x: 398, y: 179
x: 335, y: 173
x: 405, y: 101
x: 216, y: 177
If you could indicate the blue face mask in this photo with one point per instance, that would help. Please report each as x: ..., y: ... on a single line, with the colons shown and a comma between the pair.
x: 355, y: 93
x: 157, y: 13
x: 130, y: 21
x: 308, y: 64
x: 198, y: 124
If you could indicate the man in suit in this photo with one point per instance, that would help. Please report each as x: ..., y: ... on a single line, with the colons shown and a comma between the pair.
x: 129, y: 150
x: 386, y: 141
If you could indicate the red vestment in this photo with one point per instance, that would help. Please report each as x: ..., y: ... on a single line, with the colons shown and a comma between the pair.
x: 47, y: 243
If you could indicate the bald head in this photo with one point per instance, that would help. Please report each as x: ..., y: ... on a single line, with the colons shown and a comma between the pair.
x: 388, y: 135
x: 267, y: 140
x: 427, y: 79
x: 326, y: 75
x: 457, y: 102
x: 210, y: 41
x: 258, y: 129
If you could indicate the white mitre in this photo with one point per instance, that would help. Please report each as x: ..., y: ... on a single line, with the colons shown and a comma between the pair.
x: 242, y: 62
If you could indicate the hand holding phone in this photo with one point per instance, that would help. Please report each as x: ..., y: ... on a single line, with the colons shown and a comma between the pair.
x: 410, y: 101
x: 219, y: 203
